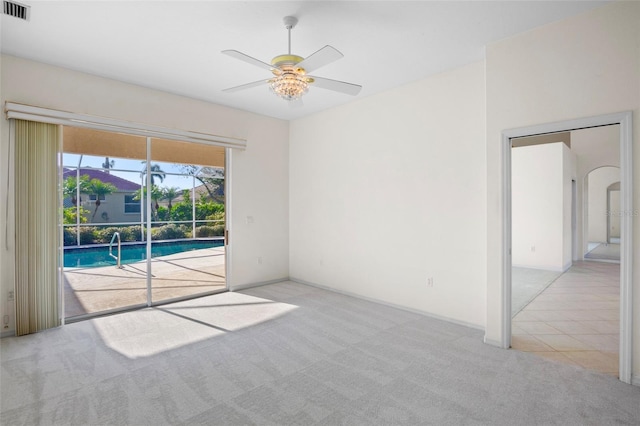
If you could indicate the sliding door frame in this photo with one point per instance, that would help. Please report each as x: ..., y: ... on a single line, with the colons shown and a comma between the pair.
x: 149, y: 241
x: 15, y: 110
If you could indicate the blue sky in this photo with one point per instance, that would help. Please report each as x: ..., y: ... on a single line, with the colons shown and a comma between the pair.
x: 133, y: 169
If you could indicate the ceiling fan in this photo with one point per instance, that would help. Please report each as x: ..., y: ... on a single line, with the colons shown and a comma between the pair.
x: 290, y: 79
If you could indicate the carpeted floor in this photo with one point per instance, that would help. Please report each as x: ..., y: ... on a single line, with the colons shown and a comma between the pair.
x: 292, y: 354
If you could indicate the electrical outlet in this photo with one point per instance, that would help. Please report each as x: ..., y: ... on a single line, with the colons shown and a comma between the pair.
x: 533, y: 249
x: 259, y: 260
x: 11, y: 296
x: 430, y: 282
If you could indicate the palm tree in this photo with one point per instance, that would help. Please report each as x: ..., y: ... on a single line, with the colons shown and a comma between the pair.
x: 70, y: 187
x: 170, y: 194
x: 155, y: 171
x: 156, y: 195
x: 108, y: 164
x: 99, y: 189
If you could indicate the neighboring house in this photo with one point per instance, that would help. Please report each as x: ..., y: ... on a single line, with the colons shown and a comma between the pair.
x: 201, y: 191
x: 118, y: 207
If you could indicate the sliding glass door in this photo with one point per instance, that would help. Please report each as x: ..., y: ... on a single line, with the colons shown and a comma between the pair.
x: 187, y: 218
x: 143, y: 221
x: 104, y: 266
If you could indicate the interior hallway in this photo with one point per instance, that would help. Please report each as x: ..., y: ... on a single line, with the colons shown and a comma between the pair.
x: 576, y: 319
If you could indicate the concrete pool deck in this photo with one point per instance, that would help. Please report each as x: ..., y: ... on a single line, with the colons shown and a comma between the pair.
x: 93, y: 290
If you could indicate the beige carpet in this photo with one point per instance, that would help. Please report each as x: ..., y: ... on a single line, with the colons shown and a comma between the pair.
x: 289, y: 354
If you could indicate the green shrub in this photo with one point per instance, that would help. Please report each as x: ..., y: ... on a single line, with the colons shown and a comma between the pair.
x: 163, y: 214
x: 210, y: 231
x: 206, y: 209
x: 70, y: 237
x: 167, y: 232
x: 127, y: 234
x: 204, y: 231
x: 182, y: 211
x: 69, y: 215
x: 219, y: 216
x: 187, y: 230
x: 103, y: 235
x: 131, y: 233
x: 218, y: 230
x: 88, y: 235
x: 94, y: 235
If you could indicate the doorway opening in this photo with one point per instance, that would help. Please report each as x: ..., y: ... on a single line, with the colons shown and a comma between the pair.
x: 143, y: 221
x: 624, y: 311
x: 602, y: 190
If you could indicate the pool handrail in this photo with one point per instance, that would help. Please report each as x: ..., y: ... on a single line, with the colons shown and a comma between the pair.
x: 117, y: 258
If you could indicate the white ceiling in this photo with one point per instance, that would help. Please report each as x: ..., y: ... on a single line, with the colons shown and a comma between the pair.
x: 175, y: 46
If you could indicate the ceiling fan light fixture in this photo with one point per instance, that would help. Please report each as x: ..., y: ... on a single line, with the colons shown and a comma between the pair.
x: 290, y: 84
x: 291, y: 81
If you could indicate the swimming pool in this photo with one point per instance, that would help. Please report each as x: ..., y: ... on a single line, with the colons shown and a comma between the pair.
x: 93, y: 257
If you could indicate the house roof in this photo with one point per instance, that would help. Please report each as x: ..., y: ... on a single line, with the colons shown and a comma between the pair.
x: 121, y: 184
x: 200, y: 191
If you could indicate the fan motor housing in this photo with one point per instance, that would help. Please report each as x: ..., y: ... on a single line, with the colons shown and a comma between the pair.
x: 286, y: 60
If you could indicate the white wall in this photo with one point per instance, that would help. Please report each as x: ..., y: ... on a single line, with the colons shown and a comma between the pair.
x: 569, y: 173
x: 388, y: 191
x: 541, y: 206
x: 583, y: 66
x: 598, y: 182
x: 259, y: 174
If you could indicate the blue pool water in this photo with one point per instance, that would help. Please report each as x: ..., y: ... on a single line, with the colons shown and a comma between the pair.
x: 91, y: 257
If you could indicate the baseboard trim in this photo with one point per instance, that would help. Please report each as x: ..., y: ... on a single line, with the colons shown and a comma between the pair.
x: 10, y: 333
x: 562, y: 269
x: 258, y: 284
x: 391, y: 305
x: 586, y: 259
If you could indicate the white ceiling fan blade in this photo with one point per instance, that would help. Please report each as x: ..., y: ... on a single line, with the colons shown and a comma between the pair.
x: 246, y: 86
x: 248, y: 59
x: 320, y: 58
x: 335, y: 85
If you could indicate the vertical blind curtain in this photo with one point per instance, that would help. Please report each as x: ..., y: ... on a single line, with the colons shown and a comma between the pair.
x: 37, y: 234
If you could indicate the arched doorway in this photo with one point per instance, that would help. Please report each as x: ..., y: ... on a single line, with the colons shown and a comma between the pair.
x: 602, y: 214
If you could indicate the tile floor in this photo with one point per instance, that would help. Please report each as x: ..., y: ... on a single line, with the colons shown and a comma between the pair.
x: 576, y: 319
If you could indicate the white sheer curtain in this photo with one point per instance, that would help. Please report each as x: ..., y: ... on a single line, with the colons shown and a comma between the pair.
x: 37, y: 233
